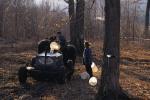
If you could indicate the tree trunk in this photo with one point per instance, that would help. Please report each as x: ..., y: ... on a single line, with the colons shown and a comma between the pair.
x: 72, y: 20
x: 1, y: 16
x: 16, y: 19
x: 1, y: 22
x: 110, y: 88
x: 146, y: 31
x: 134, y: 22
x: 79, y: 36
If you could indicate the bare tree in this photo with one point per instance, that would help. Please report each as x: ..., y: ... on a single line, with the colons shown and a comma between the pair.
x: 146, y: 31
x: 131, y: 18
x: 133, y: 22
x: 90, y: 19
x: 23, y: 19
x: 2, y: 9
x: 79, y: 35
x: 72, y: 19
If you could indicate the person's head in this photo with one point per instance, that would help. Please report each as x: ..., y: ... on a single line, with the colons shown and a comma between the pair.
x: 52, y: 38
x: 86, y: 44
x: 59, y: 33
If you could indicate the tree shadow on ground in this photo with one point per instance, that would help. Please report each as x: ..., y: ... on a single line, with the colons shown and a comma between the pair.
x: 76, y: 89
x: 140, y: 77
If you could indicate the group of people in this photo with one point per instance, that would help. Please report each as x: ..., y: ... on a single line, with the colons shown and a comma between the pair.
x: 44, y: 45
x: 87, y: 53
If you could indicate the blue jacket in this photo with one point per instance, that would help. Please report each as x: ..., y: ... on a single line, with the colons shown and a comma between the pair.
x: 87, y: 56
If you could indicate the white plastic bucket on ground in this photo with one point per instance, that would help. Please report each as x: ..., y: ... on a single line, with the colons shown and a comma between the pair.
x: 93, y: 81
x: 84, y: 75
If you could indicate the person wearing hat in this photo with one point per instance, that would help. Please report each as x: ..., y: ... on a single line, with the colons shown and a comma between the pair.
x: 87, y: 58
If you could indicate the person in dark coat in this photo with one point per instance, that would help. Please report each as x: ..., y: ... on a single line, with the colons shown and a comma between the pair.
x: 69, y: 57
x: 61, y: 39
x: 43, y: 45
x: 87, y: 58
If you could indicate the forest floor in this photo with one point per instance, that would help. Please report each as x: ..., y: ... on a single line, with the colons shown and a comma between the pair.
x: 134, y: 75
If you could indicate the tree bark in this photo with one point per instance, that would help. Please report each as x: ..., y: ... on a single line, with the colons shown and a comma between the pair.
x: 72, y: 20
x: 16, y: 18
x: 146, y: 31
x: 1, y: 16
x: 79, y: 35
x: 110, y: 88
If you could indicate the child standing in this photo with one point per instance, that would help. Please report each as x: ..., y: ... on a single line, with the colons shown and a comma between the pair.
x: 87, y: 58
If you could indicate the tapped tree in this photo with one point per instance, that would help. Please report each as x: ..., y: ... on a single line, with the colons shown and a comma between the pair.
x: 146, y: 31
x: 110, y: 88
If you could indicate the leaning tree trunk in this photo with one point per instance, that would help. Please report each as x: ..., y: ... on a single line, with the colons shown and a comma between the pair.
x: 79, y: 36
x: 72, y: 20
x: 146, y: 31
x: 110, y: 88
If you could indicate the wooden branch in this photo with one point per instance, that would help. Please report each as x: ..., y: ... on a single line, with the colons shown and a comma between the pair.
x: 92, y: 4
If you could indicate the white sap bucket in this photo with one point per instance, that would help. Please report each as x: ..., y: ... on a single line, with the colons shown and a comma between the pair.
x: 93, y: 81
x: 94, y: 67
x: 84, y: 75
